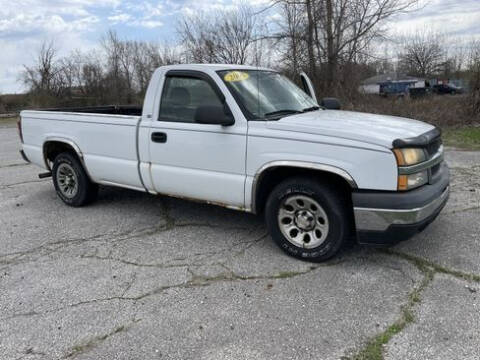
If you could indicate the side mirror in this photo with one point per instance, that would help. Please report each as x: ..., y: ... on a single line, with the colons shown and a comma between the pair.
x: 331, y: 103
x: 214, y: 115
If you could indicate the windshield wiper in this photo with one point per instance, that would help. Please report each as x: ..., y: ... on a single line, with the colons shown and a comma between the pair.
x: 313, y: 108
x: 290, y: 112
x: 283, y: 112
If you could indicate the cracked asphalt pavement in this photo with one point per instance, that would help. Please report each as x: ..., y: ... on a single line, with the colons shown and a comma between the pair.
x: 135, y: 276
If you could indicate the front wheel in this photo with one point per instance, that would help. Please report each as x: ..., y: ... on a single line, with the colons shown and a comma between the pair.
x: 307, y: 219
x: 71, y: 181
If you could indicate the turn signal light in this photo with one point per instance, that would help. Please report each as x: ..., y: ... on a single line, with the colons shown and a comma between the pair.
x: 412, y: 181
x: 402, y: 182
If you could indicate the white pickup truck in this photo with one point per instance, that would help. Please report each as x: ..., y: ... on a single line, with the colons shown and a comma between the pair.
x: 249, y: 139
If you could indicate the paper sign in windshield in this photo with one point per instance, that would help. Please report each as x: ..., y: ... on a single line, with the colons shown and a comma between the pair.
x: 235, y: 76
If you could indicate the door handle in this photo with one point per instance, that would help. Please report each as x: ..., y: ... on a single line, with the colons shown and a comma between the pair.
x: 159, y: 137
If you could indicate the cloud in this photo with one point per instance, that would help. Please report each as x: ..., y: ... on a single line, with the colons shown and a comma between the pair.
x: 449, y: 17
x: 48, y: 24
x: 73, y: 24
x: 119, y: 18
x: 25, y: 24
x: 150, y: 24
x: 139, y: 14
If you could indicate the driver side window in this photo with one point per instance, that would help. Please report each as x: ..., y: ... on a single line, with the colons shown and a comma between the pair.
x: 182, y: 96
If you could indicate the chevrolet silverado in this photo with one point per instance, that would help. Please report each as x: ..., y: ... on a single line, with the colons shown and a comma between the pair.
x: 248, y: 138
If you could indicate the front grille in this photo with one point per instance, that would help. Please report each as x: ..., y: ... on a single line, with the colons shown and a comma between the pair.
x: 433, y: 147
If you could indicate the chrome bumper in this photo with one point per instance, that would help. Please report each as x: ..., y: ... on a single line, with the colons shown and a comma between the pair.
x: 371, y: 219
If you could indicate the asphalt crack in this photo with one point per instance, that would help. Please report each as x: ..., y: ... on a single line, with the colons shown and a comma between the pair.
x: 6, y: 186
x: 14, y: 165
x: 194, y: 282
x: 130, y: 284
x: 374, y: 348
x: 424, y: 263
x: 96, y: 341
x: 29, y: 352
x: 49, y: 248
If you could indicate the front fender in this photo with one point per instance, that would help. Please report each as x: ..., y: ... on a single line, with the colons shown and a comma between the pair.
x: 298, y: 165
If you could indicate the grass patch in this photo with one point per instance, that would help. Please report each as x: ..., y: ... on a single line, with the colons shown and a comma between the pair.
x: 8, y: 121
x: 374, y: 349
x: 463, y: 138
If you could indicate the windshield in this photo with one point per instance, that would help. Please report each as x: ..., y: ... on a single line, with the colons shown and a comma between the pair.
x: 266, y: 95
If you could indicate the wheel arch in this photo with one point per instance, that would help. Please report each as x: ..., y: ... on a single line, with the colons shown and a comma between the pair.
x: 54, y: 146
x: 275, y: 172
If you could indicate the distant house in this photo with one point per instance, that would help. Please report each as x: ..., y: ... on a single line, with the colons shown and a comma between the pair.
x: 393, y: 83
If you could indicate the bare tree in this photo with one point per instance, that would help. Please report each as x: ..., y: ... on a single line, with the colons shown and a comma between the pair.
x: 474, y: 70
x: 336, y: 33
x: 40, y: 77
x: 51, y: 79
x: 146, y: 58
x: 117, y: 68
x: 349, y: 27
x: 91, y: 79
x: 2, y: 105
x: 423, y: 53
x: 221, y: 37
x: 309, y: 7
x: 457, y: 53
x: 291, y: 35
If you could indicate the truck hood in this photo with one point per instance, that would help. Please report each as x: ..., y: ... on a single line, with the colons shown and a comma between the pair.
x: 370, y: 128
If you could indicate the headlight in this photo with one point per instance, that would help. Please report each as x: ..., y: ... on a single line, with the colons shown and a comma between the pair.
x: 412, y: 181
x: 409, y: 156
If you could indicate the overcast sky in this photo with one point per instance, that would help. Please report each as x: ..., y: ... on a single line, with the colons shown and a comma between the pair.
x: 79, y: 24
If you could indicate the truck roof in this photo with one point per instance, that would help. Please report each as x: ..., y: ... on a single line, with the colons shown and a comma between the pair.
x: 214, y: 67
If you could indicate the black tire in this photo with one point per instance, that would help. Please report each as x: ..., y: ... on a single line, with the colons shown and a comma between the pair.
x: 85, y: 191
x: 334, y: 205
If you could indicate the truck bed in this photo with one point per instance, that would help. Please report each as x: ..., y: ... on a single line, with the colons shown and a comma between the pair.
x: 106, y: 135
x: 133, y: 110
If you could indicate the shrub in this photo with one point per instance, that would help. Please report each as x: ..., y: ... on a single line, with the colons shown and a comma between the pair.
x: 441, y: 111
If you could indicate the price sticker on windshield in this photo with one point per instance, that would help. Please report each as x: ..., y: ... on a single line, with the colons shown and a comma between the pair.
x: 236, y: 76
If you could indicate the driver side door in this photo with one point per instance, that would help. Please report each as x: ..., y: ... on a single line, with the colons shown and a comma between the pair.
x: 191, y: 159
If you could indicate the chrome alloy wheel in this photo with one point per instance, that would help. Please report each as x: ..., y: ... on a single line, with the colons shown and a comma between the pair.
x: 67, y: 180
x: 303, y: 221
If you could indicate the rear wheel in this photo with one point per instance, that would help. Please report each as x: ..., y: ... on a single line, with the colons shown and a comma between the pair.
x: 71, y: 181
x: 308, y: 219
